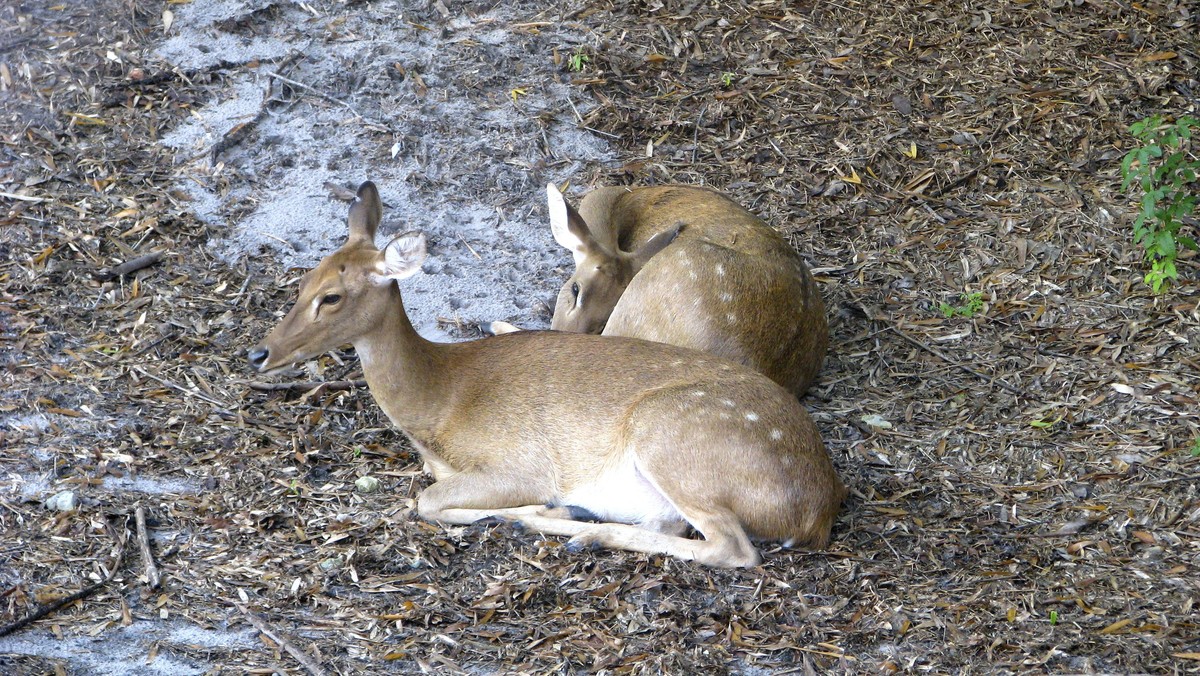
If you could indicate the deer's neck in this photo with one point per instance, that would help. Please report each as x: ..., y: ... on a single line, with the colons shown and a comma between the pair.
x: 405, y: 372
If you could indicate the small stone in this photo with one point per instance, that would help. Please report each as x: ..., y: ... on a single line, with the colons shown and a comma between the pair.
x: 62, y: 502
x: 331, y: 564
x: 367, y: 484
x: 876, y: 420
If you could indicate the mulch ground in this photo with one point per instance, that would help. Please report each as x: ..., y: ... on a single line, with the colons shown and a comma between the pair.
x: 1023, y: 495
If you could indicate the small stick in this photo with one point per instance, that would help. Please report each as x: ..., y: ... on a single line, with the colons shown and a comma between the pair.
x: 239, y: 132
x: 222, y: 406
x: 117, y: 555
x: 329, y: 97
x: 152, y: 577
x: 807, y: 125
x: 304, y: 385
x: 129, y: 266
x: 22, y: 198
x: 301, y: 656
x: 464, y: 241
x: 964, y: 367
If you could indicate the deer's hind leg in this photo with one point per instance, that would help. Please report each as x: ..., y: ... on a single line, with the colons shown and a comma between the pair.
x: 725, y: 542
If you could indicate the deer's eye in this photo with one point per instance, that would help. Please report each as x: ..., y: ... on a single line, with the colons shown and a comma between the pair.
x: 331, y: 298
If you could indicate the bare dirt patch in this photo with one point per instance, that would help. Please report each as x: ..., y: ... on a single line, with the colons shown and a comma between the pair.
x: 1032, y: 506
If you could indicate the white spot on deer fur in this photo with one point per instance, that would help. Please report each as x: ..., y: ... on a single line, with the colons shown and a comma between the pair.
x: 720, y: 270
x: 725, y: 416
x: 731, y: 318
x: 728, y: 402
x: 725, y: 297
x: 692, y: 274
x: 776, y: 435
x: 699, y: 393
x: 751, y: 416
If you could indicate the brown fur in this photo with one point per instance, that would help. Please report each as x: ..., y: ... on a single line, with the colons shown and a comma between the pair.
x: 765, y: 311
x: 511, y: 423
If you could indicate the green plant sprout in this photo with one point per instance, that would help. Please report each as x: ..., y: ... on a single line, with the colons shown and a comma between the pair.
x: 1165, y: 168
x: 1195, y: 451
x: 972, y: 304
x: 726, y: 79
x: 577, y: 61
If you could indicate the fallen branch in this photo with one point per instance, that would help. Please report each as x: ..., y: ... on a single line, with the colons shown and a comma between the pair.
x: 129, y: 266
x: 304, y: 385
x: 152, y: 578
x: 964, y: 367
x: 239, y: 132
x: 301, y: 656
x: 116, y: 557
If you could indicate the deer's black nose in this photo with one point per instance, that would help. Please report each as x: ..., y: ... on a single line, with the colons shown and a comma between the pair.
x: 258, y: 357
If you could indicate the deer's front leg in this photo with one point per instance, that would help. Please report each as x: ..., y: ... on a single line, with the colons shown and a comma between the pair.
x: 467, y: 497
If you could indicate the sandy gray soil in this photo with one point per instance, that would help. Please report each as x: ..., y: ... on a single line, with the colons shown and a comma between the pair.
x: 460, y: 123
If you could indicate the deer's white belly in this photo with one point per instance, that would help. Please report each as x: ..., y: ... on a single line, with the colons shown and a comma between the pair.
x: 623, y: 494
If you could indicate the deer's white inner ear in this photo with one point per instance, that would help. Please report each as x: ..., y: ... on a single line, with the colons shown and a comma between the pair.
x: 559, y: 225
x: 402, y: 257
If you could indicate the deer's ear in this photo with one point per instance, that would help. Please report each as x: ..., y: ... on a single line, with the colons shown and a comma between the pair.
x: 568, y: 226
x: 365, y: 214
x: 402, y: 257
x: 654, y: 245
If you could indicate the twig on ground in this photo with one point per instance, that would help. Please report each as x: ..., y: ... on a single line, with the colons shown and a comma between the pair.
x: 239, y: 132
x: 115, y: 558
x: 806, y: 125
x: 696, y: 131
x: 222, y: 406
x: 130, y: 266
x: 152, y: 578
x: 330, y: 98
x: 964, y: 367
x: 301, y: 656
x: 304, y: 385
x: 339, y: 192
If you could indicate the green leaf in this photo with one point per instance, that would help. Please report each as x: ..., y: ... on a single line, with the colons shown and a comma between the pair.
x: 1154, y: 279
x: 1165, y: 243
x: 1126, y: 170
x: 1168, y: 269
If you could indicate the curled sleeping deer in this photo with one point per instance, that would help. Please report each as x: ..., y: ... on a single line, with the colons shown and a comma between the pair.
x: 687, y: 266
x: 547, y: 428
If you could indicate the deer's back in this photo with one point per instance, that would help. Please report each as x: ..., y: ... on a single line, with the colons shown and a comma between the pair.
x: 729, y: 284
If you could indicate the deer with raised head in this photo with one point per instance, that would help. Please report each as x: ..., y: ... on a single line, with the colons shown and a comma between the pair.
x: 547, y: 428
x: 688, y: 266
